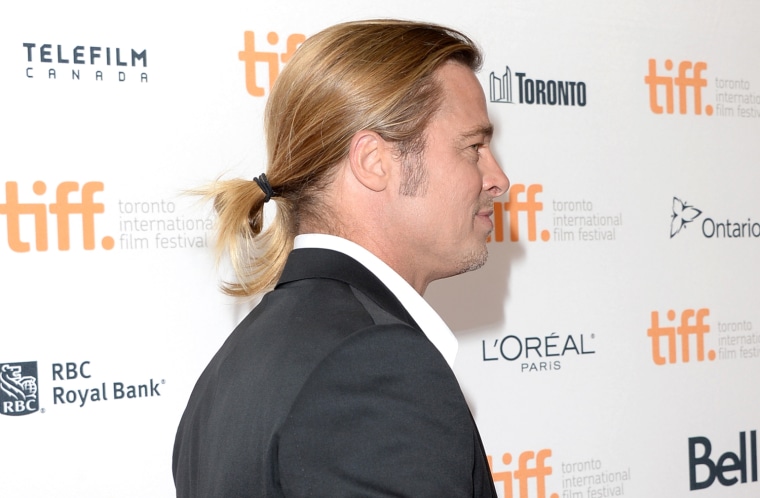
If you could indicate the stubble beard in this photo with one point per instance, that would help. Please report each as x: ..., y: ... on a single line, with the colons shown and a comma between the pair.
x: 474, y: 261
x: 478, y: 257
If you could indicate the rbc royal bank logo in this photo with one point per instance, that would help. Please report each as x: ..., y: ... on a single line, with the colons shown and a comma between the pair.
x: 18, y: 388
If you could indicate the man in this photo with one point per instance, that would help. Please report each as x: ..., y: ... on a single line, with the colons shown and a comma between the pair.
x: 339, y: 382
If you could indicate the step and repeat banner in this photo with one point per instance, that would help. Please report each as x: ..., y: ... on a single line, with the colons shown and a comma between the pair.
x: 611, y: 345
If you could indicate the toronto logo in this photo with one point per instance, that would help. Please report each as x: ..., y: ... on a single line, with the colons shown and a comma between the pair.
x: 683, y: 214
x: 535, y: 91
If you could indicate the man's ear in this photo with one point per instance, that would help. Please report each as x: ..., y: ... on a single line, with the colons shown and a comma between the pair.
x: 369, y: 160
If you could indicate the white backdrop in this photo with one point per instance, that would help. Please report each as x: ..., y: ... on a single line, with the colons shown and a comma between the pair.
x: 609, y: 346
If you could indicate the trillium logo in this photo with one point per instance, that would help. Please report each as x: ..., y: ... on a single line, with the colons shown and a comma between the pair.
x: 683, y: 214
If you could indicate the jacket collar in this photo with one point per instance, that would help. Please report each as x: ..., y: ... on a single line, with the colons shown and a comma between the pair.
x: 307, y: 263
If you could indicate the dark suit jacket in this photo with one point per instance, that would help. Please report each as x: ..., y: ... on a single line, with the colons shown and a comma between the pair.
x: 328, y: 388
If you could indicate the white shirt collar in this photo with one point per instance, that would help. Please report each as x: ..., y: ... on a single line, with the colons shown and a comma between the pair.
x: 429, y: 321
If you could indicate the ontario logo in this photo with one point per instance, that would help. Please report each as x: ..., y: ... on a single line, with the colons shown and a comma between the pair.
x: 18, y: 388
x: 271, y: 59
x: 683, y: 214
x: 535, y: 91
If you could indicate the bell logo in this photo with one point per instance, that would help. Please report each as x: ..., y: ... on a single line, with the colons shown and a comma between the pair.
x: 692, y: 324
x: 270, y: 60
x: 689, y: 76
x: 62, y: 208
x: 530, y: 205
x: 527, y: 473
x: 726, y: 467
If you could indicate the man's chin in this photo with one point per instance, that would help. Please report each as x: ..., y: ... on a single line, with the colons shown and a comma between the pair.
x: 475, y: 261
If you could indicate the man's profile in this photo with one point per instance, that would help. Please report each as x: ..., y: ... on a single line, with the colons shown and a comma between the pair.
x: 339, y: 382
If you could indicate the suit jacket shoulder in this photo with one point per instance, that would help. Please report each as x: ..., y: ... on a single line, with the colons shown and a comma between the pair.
x: 298, y: 374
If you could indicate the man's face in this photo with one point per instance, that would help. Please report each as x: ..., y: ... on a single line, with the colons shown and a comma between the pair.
x: 448, y: 221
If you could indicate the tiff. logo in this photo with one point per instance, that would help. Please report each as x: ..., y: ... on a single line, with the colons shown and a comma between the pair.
x: 271, y: 60
x: 692, y: 324
x: 63, y: 208
x: 526, y: 473
x: 517, y: 203
x: 689, y: 76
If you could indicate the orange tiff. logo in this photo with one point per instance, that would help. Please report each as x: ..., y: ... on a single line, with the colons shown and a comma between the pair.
x: 529, y: 204
x: 63, y: 208
x: 689, y: 77
x: 531, y: 474
x: 692, y: 324
x: 271, y: 60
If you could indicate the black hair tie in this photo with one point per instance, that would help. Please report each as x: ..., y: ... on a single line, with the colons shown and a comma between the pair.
x: 265, y: 187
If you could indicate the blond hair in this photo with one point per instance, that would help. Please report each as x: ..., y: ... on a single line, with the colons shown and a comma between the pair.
x: 373, y: 75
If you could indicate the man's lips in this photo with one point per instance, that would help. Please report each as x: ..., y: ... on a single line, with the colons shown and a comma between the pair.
x: 485, y: 215
x: 486, y: 211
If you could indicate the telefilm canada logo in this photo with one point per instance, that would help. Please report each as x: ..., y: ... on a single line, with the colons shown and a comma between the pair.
x: 684, y: 214
x: 532, y: 90
x: 19, y: 388
x: 62, y: 61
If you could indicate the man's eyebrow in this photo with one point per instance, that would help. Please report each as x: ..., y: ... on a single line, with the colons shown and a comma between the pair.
x: 479, y: 131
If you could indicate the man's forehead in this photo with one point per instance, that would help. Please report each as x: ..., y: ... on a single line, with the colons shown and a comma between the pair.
x: 484, y: 130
